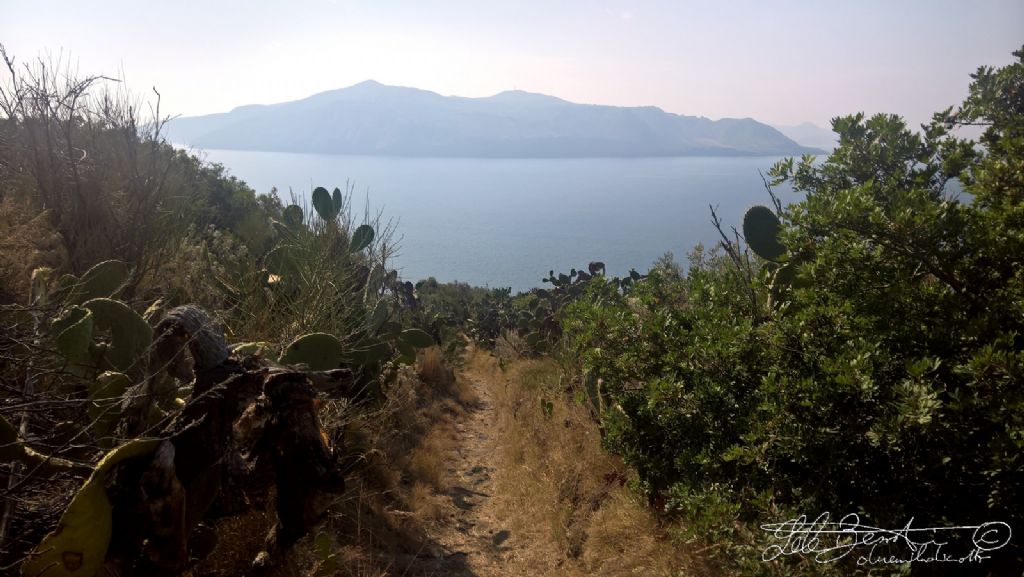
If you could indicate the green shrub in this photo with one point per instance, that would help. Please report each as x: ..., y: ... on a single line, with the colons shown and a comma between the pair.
x: 881, y: 373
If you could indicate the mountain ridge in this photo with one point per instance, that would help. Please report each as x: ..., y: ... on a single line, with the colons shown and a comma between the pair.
x: 374, y: 118
x: 809, y: 134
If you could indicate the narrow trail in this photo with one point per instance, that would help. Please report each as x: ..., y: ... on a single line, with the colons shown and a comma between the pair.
x: 473, y: 541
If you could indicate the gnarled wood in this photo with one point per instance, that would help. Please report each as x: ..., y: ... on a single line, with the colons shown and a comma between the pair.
x: 246, y: 426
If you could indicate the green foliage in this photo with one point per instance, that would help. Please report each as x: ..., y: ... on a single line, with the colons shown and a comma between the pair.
x: 104, y: 185
x: 491, y: 314
x: 79, y: 330
x: 592, y: 387
x: 361, y: 238
x: 13, y: 448
x: 318, y: 351
x: 761, y: 229
x: 887, y: 378
x: 292, y: 216
x: 369, y: 351
x: 416, y: 338
x: 73, y: 334
x: 101, y: 281
x: 79, y: 544
x: 377, y: 316
x: 547, y: 407
x: 130, y: 334
x: 327, y: 207
x: 104, y: 403
x: 328, y: 560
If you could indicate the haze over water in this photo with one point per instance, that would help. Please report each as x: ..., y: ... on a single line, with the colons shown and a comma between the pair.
x: 507, y: 222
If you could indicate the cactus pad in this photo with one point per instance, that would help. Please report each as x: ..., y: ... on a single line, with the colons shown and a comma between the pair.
x: 73, y: 333
x: 368, y: 351
x: 101, y: 281
x: 318, y: 351
x: 324, y: 205
x: 129, y: 332
x: 78, y: 546
x: 416, y: 338
x: 376, y: 318
x: 292, y: 216
x: 104, y: 400
x: 361, y: 238
x: 761, y: 228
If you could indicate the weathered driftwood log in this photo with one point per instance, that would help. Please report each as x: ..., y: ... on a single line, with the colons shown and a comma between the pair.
x: 246, y: 426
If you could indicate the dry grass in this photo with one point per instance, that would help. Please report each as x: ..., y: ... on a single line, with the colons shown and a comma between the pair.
x: 27, y: 241
x: 394, y: 493
x: 560, y: 491
x: 239, y: 540
x: 425, y: 503
x: 427, y: 464
x: 445, y: 387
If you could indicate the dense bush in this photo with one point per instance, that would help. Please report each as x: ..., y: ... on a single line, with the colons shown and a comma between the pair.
x: 875, y: 366
x: 82, y: 157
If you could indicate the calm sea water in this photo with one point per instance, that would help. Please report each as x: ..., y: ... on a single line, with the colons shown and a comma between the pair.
x: 507, y: 222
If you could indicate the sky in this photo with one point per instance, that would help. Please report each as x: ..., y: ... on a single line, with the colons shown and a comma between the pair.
x: 781, y: 62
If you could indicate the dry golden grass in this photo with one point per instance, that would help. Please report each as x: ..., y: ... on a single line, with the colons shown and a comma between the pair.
x: 27, y: 241
x: 430, y: 367
x: 562, y: 492
x: 396, y: 491
x: 427, y: 464
x: 425, y: 503
x: 444, y: 386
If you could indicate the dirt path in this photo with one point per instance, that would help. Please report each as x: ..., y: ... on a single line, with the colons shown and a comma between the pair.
x: 472, y: 540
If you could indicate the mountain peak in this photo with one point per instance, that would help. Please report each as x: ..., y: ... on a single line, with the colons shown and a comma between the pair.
x: 366, y: 86
x: 367, y: 83
x: 517, y: 93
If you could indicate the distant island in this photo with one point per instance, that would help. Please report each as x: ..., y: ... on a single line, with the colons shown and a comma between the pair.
x: 370, y: 118
x: 810, y: 134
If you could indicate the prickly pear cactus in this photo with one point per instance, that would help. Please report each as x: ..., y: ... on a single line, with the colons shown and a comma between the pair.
x: 292, y: 216
x: 374, y: 282
x: 130, y: 335
x: 73, y: 333
x: 407, y: 353
x: 369, y: 350
x: 324, y: 204
x: 533, y: 339
x: 252, y: 348
x: 281, y: 261
x: 318, y: 351
x: 104, y: 403
x: 416, y: 338
x: 39, y: 295
x: 282, y: 230
x: 761, y: 229
x: 13, y: 448
x: 77, y: 547
x: 376, y: 317
x: 101, y: 281
x: 338, y: 199
x: 361, y: 238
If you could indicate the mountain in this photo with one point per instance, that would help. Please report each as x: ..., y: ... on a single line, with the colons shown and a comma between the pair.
x: 809, y: 134
x: 371, y: 118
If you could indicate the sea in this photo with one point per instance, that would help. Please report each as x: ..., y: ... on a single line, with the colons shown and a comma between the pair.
x: 508, y: 222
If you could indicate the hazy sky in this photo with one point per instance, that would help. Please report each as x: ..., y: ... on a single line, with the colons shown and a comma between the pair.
x: 780, y: 62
